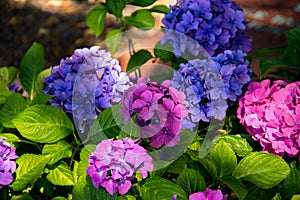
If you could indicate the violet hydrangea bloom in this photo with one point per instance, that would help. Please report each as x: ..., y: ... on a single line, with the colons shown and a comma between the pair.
x: 208, y: 194
x: 158, y: 110
x: 271, y: 114
x: 7, y: 163
x: 216, y: 25
x: 85, y: 84
x: 113, y: 164
x: 210, y: 84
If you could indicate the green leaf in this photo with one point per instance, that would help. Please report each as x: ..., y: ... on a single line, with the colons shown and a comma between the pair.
x: 57, y: 151
x: 236, y: 185
x: 263, y: 169
x: 78, y: 190
x: 160, y: 9
x: 10, y: 138
x: 255, y: 193
x: 268, y: 64
x: 142, y: 19
x: 44, y: 124
x: 12, y: 73
x: 14, y: 105
x: 96, y: 19
x: 59, y: 198
x: 296, y: 197
x: 24, y: 196
x: 126, y: 197
x: 291, y: 185
x: 138, y: 59
x: 224, y: 159
x: 113, y: 40
x: 157, y: 188
x: 293, y: 36
x: 191, y: 181
x: 30, y: 168
x: 292, y: 54
x: 277, y: 197
x: 116, y: 7
x: 39, y: 83
x: 31, y: 65
x: 141, y: 3
x: 8, y: 75
x: 164, y: 51
x: 45, y: 186
x: 105, y: 126
x: 265, y: 51
x: 4, y: 94
x: 41, y: 99
x: 238, y: 144
x: 61, y: 175
x: 178, y: 165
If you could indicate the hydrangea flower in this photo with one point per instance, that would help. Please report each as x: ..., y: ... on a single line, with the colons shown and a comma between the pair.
x: 113, y: 164
x: 158, y: 110
x: 89, y: 77
x: 216, y: 25
x: 271, y: 114
x: 208, y: 194
x: 7, y: 163
x: 208, y: 84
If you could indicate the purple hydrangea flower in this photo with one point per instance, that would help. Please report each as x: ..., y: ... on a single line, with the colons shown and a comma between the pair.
x: 7, y: 163
x: 89, y: 77
x: 158, y: 110
x: 216, y: 25
x: 113, y: 164
x: 208, y: 194
x: 209, y: 85
x: 271, y: 114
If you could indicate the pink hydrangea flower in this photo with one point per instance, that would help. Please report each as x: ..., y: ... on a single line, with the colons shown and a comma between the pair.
x: 113, y: 164
x: 271, y: 114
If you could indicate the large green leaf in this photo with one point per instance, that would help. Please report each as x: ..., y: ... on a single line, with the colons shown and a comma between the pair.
x: 270, y: 64
x: 96, y: 19
x: 31, y: 65
x: 141, y: 3
x: 4, y: 93
x: 191, y: 181
x: 57, y: 151
x: 113, y: 39
x: 236, y: 185
x: 12, y: 139
x: 61, y: 175
x: 142, y: 19
x: 8, y: 75
x: 30, y: 168
x: 161, y: 189
x: 160, y: 9
x: 105, y: 126
x: 292, y: 55
x: 255, y: 193
x: 14, y: 105
x: 43, y: 123
x: 126, y: 197
x: 224, y: 159
x: 40, y: 99
x: 22, y: 197
x: 116, y: 7
x: 138, y: 59
x: 238, y: 144
x: 293, y: 36
x: 78, y: 189
x: 164, y: 51
x: 263, y: 169
x: 84, y: 157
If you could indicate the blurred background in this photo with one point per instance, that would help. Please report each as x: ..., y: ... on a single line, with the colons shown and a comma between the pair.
x: 59, y: 25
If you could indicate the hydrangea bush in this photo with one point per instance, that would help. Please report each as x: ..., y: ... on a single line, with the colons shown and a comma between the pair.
x: 85, y: 129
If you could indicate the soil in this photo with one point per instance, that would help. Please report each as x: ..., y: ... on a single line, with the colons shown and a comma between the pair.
x: 59, y: 25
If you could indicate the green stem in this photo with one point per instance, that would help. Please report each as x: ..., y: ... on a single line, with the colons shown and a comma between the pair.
x: 76, y: 139
x: 32, y: 143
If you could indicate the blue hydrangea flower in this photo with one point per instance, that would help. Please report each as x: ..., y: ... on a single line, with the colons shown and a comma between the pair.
x: 211, y: 84
x: 217, y: 25
x: 85, y: 84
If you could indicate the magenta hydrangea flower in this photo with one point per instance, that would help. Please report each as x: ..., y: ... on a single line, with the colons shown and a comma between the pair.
x: 271, y: 114
x: 7, y: 163
x: 208, y: 194
x: 158, y: 110
x: 113, y: 164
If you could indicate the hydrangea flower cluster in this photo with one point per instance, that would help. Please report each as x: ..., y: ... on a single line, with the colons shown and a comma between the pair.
x: 208, y: 194
x: 208, y: 84
x: 89, y: 77
x: 271, y: 114
x: 158, y: 110
x: 113, y: 164
x: 7, y: 163
x: 216, y: 25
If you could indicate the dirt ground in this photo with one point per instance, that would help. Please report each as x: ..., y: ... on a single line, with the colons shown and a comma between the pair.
x: 60, y: 26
